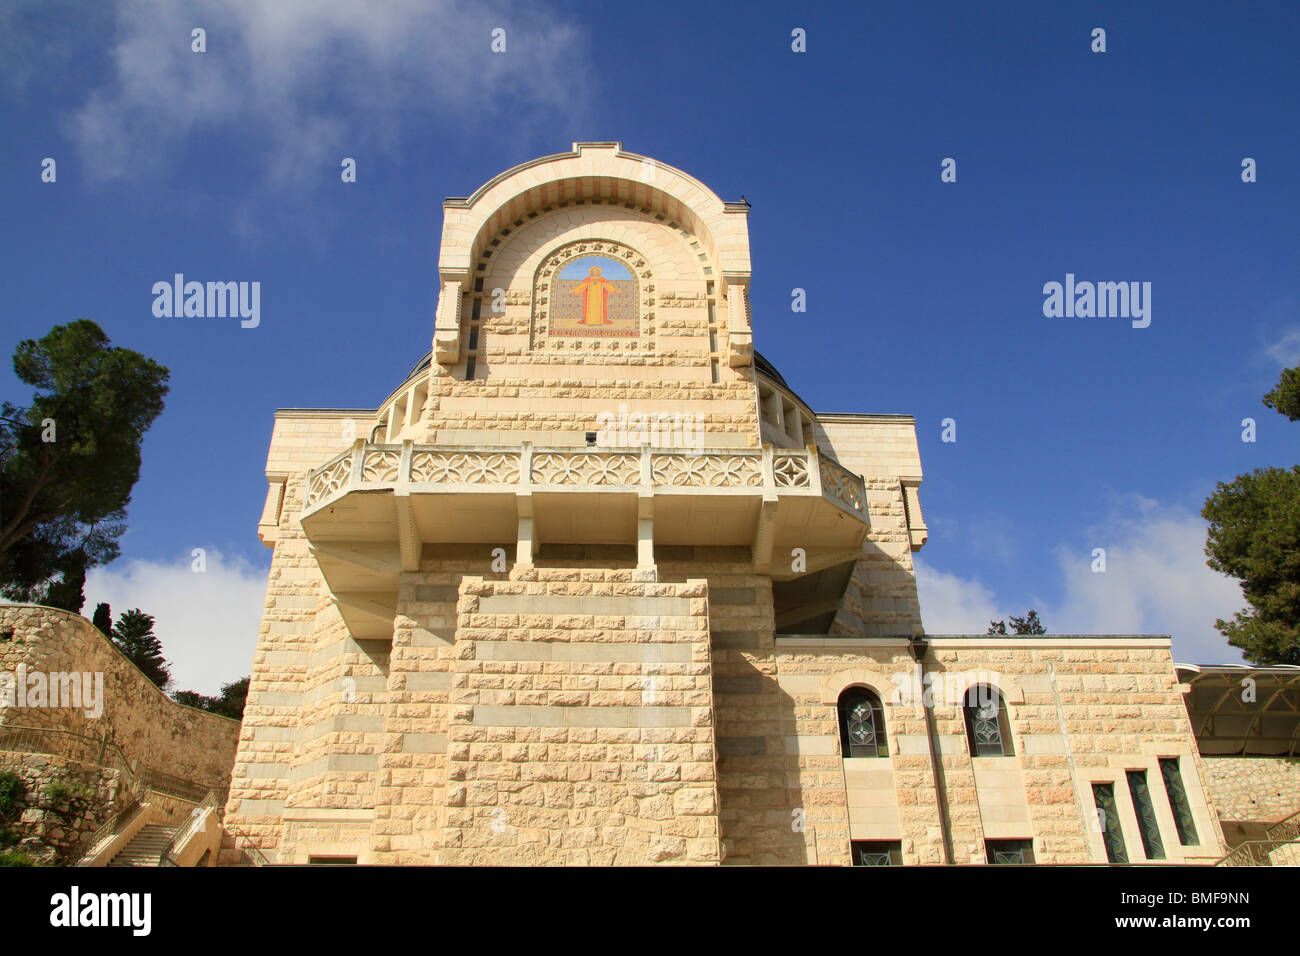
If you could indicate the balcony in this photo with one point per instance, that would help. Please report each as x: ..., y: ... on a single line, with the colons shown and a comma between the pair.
x: 370, y: 509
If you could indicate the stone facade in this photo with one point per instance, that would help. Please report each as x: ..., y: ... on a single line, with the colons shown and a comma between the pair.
x: 594, y: 598
x: 1081, y: 709
x: 581, y: 722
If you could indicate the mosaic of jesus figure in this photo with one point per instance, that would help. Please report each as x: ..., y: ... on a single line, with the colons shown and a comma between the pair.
x: 595, y: 291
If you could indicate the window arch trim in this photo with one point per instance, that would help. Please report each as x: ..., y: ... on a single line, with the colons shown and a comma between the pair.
x: 988, y: 734
x: 860, y: 714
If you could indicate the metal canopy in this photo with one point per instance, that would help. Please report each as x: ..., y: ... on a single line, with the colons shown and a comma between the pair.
x: 1244, y: 711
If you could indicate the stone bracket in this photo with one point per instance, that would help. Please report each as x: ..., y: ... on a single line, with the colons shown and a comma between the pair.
x: 446, y: 326
x: 740, y: 334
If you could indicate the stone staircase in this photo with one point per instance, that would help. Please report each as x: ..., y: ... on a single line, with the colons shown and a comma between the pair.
x: 145, y: 847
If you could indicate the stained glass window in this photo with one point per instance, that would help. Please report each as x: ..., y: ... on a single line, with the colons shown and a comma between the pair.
x: 862, y: 724
x: 986, y: 723
x: 877, y: 853
x: 1146, y: 814
x: 1009, y: 851
x: 1173, y: 778
x: 1108, y: 822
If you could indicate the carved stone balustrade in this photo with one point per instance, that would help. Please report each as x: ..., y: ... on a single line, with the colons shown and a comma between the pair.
x: 370, y: 509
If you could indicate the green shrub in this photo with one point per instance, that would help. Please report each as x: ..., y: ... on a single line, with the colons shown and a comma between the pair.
x: 61, y: 791
x: 16, y: 858
x: 11, y: 790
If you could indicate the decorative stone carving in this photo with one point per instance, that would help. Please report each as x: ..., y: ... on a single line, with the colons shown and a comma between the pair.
x: 707, y: 470
x: 329, y: 479
x: 586, y: 469
x: 380, y: 466
x: 842, y: 486
x: 468, y: 468
x: 790, y: 469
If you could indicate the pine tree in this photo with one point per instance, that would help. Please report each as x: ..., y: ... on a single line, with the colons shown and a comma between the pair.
x: 103, y: 619
x: 134, y: 635
x: 1254, y: 536
x: 69, y: 459
x: 69, y: 591
x: 1029, y: 624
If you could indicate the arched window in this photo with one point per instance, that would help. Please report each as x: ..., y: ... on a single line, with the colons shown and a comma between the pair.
x: 862, y: 724
x: 987, y: 729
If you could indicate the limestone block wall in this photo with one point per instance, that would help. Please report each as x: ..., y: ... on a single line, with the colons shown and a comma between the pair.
x: 878, y: 446
x: 309, y: 737
x: 581, y: 727
x: 881, y: 599
x: 754, y: 809
x: 152, y: 730
x: 526, y: 388
x: 1081, y: 709
x: 410, y: 802
x: 1253, y: 789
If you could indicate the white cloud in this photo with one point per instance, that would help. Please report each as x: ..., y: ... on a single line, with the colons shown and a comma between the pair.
x: 1156, y: 582
x: 951, y: 604
x: 1286, y: 350
x: 311, y: 81
x: 207, y: 622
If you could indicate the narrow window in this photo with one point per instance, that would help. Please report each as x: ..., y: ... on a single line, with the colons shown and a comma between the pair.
x: 1103, y: 794
x: 1009, y: 851
x: 1173, y: 778
x: 877, y: 853
x: 1146, y: 814
x: 987, y: 728
x: 332, y: 860
x: 469, y: 369
x: 862, y: 724
x: 476, y: 309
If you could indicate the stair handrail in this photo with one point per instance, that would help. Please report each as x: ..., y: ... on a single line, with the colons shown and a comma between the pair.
x: 102, y: 751
x: 112, y: 825
x: 1278, y: 833
x: 187, y: 829
x: 1254, y: 852
x: 1288, y: 828
x: 22, y: 738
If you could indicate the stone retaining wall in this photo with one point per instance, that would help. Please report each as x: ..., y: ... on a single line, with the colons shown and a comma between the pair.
x: 1253, y: 789
x: 152, y: 730
x: 54, y: 828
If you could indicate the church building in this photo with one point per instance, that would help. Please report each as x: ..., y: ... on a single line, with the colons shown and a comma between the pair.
x: 594, y: 585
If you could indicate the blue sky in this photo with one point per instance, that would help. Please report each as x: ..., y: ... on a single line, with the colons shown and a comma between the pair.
x: 923, y: 297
